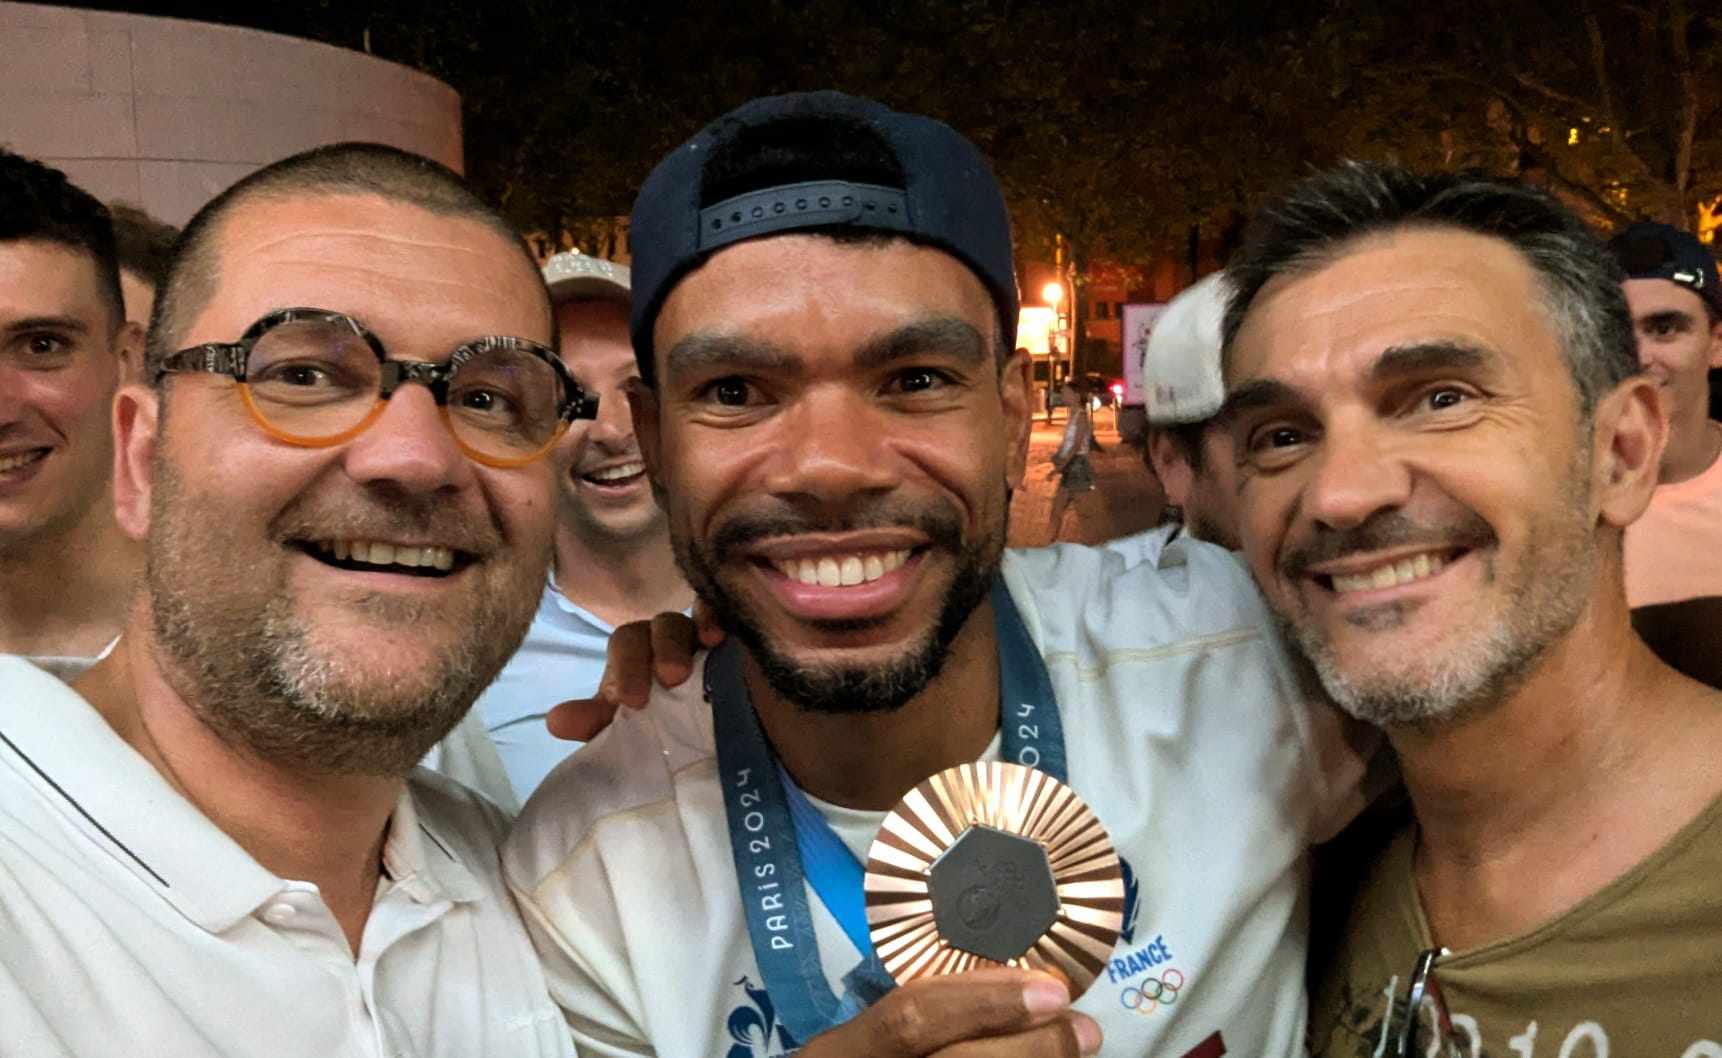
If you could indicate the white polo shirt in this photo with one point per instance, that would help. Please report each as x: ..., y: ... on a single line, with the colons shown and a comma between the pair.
x: 1186, y: 729
x: 129, y: 924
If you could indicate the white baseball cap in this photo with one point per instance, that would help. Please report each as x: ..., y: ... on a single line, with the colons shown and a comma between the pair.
x: 577, y: 275
x: 1181, y: 367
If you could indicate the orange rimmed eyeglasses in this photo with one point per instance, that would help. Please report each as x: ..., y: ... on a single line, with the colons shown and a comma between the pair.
x: 316, y: 378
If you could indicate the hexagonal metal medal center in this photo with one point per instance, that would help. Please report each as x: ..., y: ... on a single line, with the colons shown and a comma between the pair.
x: 993, y: 893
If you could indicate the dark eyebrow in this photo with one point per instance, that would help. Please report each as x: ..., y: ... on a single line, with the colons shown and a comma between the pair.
x: 48, y: 323
x: 1427, y: 357
x: 1668, y: 316
x: 1395, y: 361
x: 1255, y: 394
x: 702, y: 352
x: 938, y: 335
x: 944, y: 335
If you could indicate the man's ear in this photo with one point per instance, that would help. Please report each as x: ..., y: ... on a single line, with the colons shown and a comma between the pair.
x: 1176, y: 475
x: 129, y: 347
x: 1015, y: 388
x: 643, y: 406
x: 1629, y: 433
x: 137, y: 410
x: 1716, y: 343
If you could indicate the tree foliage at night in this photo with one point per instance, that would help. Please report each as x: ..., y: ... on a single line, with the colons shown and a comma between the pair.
x: 1117, y: 125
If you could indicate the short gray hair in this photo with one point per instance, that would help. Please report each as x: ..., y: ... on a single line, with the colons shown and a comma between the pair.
x: 1323, y: 215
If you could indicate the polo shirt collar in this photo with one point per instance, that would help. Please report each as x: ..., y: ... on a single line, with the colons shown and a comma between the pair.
x: 423, y: 862
x: 125, y: 809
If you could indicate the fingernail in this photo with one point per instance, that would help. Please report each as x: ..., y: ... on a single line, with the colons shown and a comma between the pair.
x: 1044, y: 996
x: 1087, y: 1034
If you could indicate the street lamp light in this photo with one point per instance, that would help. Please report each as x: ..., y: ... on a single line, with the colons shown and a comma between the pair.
x: 1053, y: 293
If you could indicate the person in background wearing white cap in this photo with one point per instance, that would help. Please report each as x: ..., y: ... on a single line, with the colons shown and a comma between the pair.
x: 613, y: 562
x: 1183, y: 389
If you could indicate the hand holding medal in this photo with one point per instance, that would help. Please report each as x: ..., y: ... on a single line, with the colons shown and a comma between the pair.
x: 983, y: 865
x: 993, y: 864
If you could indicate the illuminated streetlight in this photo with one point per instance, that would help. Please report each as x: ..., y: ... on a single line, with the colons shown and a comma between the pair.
x: 1052, y: 293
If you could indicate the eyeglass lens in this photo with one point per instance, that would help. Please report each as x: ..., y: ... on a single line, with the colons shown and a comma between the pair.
x: 317, y: 379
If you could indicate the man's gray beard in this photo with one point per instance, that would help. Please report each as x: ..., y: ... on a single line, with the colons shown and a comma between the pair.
x: 879, y: 688
x: 1543, y: 602
x: 255, y: 678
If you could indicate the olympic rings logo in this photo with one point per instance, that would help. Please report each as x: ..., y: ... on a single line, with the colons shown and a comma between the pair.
x: 1153, y: 993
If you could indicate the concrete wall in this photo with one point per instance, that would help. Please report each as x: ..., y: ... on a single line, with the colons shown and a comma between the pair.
x: 164, y: 113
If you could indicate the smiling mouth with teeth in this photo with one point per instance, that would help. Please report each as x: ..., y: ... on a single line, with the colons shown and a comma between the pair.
x: 1389, y: 574
x: 377, y: 556
x: 841, y: 571
x: 620, y: 474
x: 21, y: 460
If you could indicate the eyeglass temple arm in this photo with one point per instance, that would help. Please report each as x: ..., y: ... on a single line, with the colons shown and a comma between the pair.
x: 584, y: 406
x: 215, y: 358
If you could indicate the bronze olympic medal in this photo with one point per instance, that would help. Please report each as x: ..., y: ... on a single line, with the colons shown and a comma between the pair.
x: 993, y: 865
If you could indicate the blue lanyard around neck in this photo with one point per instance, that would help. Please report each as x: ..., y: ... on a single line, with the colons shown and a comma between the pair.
x: 779, y: 839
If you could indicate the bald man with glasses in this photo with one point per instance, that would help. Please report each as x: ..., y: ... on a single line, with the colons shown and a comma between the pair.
x: 336, y: 467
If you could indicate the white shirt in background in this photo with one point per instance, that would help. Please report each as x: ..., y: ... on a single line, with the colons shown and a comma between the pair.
x: 1186, y: 729
x: 130, y: 924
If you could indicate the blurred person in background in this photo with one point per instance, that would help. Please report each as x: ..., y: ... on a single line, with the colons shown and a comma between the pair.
x: 1070, y: 461
x: 613, y: 562
x: 66, y: 569
x: 1183, y: 388
x: 1674, y: 550
x: 145, y: 249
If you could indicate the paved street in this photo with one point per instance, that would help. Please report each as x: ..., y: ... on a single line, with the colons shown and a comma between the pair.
x: 1125, y: 498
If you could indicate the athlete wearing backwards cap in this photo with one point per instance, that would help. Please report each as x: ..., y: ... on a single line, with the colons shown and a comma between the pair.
x: 824, y: 312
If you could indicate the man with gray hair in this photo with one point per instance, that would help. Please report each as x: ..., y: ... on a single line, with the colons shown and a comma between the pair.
x: 215, y: 841
x: 1442, y: 434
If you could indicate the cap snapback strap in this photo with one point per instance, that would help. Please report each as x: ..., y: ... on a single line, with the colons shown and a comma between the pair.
x: 814, y: 204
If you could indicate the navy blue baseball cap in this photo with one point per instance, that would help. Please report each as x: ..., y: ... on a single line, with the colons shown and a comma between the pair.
x: 949, y: 199
x: 1661, y: 251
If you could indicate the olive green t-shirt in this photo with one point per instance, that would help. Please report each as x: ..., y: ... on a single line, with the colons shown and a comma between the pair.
x: 1635, y: 971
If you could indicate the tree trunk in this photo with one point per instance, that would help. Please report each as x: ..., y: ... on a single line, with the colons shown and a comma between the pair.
x: 1080, y: 350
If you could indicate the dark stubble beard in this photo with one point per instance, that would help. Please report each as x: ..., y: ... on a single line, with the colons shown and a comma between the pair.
x: 252, y: 669
x: 832, y: 688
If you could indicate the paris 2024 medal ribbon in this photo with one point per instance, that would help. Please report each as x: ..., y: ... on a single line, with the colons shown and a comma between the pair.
x: 993, y: 865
